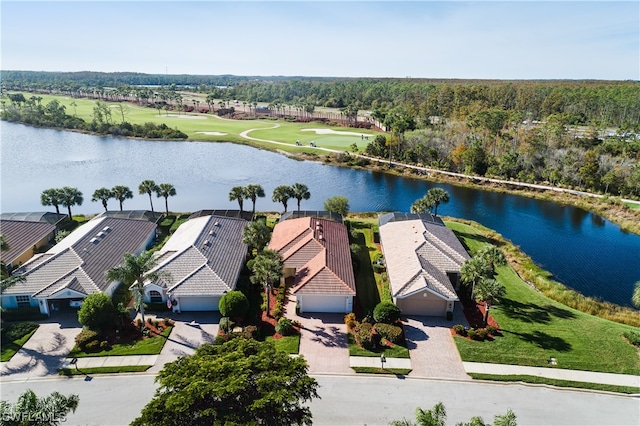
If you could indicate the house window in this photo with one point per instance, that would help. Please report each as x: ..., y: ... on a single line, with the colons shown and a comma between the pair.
x: 23, y: 301
x: 155, y: 297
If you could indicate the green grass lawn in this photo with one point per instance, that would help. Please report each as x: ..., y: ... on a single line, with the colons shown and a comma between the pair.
x: 9, y: 348
x: 288, y: 344
x: 395, y: 352
x: 555, y: 382
x: 536, y: 328
x: 208, y: 127
x: 378, y: 370
x: 104, y: 370
x: 151, y: 346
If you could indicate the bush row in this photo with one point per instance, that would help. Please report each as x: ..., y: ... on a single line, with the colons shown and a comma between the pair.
x: 478, y: 334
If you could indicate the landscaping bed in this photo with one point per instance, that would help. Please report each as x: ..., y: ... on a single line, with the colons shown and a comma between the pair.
x: 14, y: 336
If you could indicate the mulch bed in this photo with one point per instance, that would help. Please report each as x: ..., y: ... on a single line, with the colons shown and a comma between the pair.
x: 474, y: 313
x: 131, y: 333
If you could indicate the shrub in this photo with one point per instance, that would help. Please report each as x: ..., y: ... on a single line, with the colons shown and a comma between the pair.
x: 277, y: 312
x: 363, y: 336
x: 104, y: 345
x: 386, y: 312
x: 17, y: 331
x: 492, y: 330
x: 459, y: 329
x: 234, y: 304
x: 85, y: 337
x: 249, y: 331
x: 92, y: 346
x: 284, y: 327
x: 97, y: 312
x: 22, y: 314
x: 378, y: 268
x: 633, y: 337
x: 139, y: 322
x: 167, y: 322
x: 472, y: 334
x: 225, y: 324
x: 350, y: 321
x: 392, y: 333
x: 481, y: 333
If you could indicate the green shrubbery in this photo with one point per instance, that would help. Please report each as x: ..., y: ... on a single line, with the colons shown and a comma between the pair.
x: 11, y: 332
x: 285, y: 327
x: 392, y: 333
x: 363, y: 335
x: 386, y: 312
x: 87, y: 340
x: 234, y: 304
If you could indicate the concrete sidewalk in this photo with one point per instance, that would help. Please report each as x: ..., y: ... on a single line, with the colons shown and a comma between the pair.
x: 109, y: 361
x: 553, y: 373
x: 371, y: 361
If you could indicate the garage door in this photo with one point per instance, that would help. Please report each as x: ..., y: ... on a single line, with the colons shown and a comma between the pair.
x: 198, y: 303
x: 324, y: 303
x: 428, y: 306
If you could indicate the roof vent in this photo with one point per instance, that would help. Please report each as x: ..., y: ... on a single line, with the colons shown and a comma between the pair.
x: 93, y: 240
x: 101, y: 234
x: 106, y: 229
x: 206, y: 243
x: 320, y: 237
x: 210, y: 232
x: 216, y: 224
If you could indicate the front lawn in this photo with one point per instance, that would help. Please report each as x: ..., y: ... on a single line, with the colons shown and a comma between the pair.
x: 396, y: 351
x: 104, y: 370
x: 378, y: 370
x: 149, y: 346
x: 14, y: 336
x: 536, y: 329
x: 555, y: 382
x: 288, y: 344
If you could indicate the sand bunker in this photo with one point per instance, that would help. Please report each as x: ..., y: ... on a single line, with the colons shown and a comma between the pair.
x: 213, y: 133
x: 333, y: 132
x: 192, y: 117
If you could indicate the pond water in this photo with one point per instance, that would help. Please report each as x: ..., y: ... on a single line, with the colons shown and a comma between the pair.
x: 581, y: 249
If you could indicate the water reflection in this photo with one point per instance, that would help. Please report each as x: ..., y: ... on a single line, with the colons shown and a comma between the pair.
x: 592, y: 256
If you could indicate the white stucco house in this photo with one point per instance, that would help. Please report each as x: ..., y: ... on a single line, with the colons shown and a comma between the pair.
x: 199, y: 263
x: 423, y: 259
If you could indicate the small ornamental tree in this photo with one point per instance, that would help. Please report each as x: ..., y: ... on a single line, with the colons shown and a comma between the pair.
x: 386, y: 312
x: 97, y: 312
x: 234, y: 304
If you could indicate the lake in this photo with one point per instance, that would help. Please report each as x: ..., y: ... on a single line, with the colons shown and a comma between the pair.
x: 583, y: 250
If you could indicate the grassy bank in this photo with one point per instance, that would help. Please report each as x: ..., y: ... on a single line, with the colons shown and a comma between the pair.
x: 555, y: 382
x: 536, y: 327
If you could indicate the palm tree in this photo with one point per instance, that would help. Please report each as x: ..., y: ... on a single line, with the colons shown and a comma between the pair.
x: 102, y: 194
x: 256, y: 235
x: 267, y: 269
x: 51, y: 197
x: 237, y: 193
x: 136, y: 270
x: 282, y: 194
x: 473, y: 270
x: 148, y: 187
x: 70, y: 197
x: 493, y: 255
x: 489, y: 291
x: 48, y: 411
x: 438, y: 195
x: 121, y: 193
x: 252, y: 192
x: 166, y: 190
x: 635, y: 297
x: 422, y: 205
x: 300, y: 192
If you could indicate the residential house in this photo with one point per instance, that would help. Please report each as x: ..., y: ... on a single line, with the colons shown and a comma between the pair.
x: 26, y: 234
x: 75, y: 267
x: 199, y: 263
x: 423, y: 259
x: 316, y: 254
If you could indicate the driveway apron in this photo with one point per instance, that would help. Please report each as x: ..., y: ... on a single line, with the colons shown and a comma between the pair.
x: 431, y: 347
x: 191, y: 330
x: 45, y: 351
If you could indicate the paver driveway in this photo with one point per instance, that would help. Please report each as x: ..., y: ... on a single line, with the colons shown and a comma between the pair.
x: 323, y: 341
x: 45, y: 351
x: 432, y: 350
x: 191, y: 330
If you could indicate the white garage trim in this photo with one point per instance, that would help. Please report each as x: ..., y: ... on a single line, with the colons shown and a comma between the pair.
x: 340, y: 303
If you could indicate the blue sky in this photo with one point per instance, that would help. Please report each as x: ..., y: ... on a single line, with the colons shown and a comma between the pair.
x: 430, y: 39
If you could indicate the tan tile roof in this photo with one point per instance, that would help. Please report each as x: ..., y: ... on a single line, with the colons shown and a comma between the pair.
x: 418, y: 255
x: 203, y: 257
x: 319, y: 250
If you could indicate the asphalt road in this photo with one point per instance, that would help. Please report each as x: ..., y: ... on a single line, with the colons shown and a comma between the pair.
x: 362, y: 400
